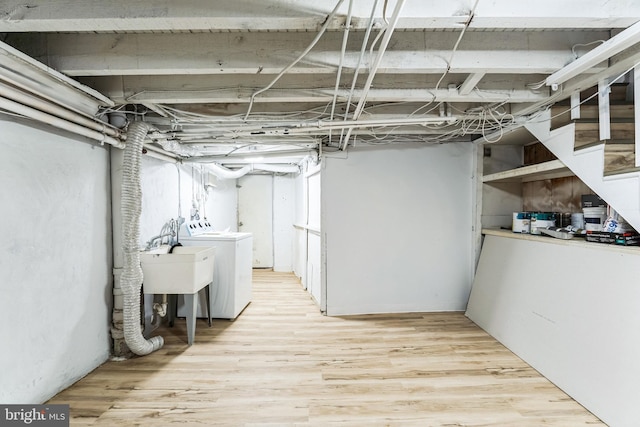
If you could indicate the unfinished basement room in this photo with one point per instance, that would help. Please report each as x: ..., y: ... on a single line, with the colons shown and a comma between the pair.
x: 320, y: 213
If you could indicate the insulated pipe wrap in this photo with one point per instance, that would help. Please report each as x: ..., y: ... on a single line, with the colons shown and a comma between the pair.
x: 131, y: 280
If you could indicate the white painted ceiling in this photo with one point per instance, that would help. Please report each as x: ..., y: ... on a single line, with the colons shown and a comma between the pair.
x: 453, y: 70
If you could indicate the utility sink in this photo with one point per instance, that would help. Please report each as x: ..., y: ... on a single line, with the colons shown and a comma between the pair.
x: 184, y: 271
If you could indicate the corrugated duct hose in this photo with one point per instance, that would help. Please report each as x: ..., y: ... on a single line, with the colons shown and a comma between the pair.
x: 131, y: 279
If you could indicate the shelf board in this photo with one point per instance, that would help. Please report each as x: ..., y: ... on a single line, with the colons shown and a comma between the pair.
x: 546, y: 170
x: 576, y: 241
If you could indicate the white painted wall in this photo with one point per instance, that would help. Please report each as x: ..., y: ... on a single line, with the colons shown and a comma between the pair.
x: 161, y: 203
x: 55, y: 259
x: 222, y: 208
x: 397, y: 232
x: 159, y: 183
x: 284, y: 214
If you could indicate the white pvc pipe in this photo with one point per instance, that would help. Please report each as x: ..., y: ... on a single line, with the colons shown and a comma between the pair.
x: 160, y: 156
x: 117, y: 327
x: 56, y: 110
x: 41, y: 116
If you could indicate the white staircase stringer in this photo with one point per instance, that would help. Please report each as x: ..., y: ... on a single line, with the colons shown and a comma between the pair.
x: 622, y: 192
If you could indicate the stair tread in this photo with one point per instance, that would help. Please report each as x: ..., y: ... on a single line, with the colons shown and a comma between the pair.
x: 619, y: 122
x: 588, y: 145
x: 622, y: 171
x: 612, y: 102
x: 621, y: 142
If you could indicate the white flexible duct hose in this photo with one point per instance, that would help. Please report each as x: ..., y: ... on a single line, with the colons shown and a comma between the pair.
x: 225, y: 173
x: 277, y: 168
x: 131, y: 279
x: 177, y: 148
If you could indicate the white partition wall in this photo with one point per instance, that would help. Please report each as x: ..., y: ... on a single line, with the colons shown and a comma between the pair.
x: 397, y: 229
x: 570, y: 310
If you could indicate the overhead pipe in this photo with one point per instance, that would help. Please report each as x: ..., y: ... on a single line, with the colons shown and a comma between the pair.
x: 393, y: 22
x: 131, y: 208
x: 26, y: 73
x: 56, y: 110
x: 261, y: 157
x: 309, y: 127
x: 160, y: 156
x: 52, y: 120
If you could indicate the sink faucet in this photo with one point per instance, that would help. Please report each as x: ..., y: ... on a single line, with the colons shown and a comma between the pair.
x: 153, y: 242
x: 170, y: 230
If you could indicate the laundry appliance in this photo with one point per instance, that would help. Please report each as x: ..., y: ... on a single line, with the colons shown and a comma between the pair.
x: 230, y: 292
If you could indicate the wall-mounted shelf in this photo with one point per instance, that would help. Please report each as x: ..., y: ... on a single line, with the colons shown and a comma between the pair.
x: 546, y: 170
x: 576, y: 241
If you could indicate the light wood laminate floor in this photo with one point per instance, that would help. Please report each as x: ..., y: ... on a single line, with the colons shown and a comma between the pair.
x: 281, y: 363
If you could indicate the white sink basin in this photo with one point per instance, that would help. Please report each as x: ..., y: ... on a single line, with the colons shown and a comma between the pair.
x: 185, y: 271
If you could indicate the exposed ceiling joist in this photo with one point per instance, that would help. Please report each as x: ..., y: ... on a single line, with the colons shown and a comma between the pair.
x: 279, y: 96
x: 288, y: 15
x: 470, y: 83
x: 219, y: 54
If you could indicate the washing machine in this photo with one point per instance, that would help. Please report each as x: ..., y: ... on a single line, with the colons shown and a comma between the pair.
x: 232, y: 275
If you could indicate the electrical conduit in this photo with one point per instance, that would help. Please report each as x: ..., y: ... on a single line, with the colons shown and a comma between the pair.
x: 374, y: 68
x: 131, y: 278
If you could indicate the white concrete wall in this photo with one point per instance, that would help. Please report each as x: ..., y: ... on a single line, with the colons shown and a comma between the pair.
x: 222, y: 208
x: 161, y: 203
x: 396, y: 224
x: 57, y: 254
x: 55, y: 260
